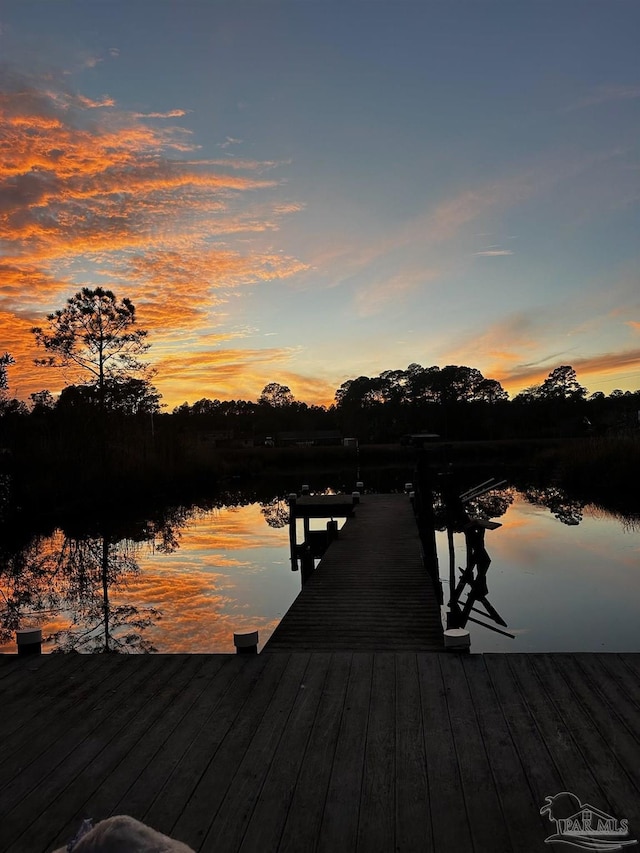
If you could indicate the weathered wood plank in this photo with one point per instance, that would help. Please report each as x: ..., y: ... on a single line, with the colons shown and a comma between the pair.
x: 339, y: 827
x: 302, y: 826
x: 203, y: 802
x: 556, y: 726
x: 539, y: 769
x: 523, y: 821
x: 446, y: 800
x: 113, y: 744
x: 51, y: 741
x: 483, y: 807
x: 591, y: 729
x: 412, y: 815
x: 59, y: 766
x: 62, y: 682
x: 211, y: 740
x: 377, y: 800
x: 249, y: 771
x: 384, y: 751
x: 269, y: 816
x: 147, y: 761
x: 618, y: 671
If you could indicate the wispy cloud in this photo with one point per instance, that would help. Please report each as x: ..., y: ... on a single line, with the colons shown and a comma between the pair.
x: 376, y: 297
x: 494, y: 253
x: 168, y: 114
x: 595, y: 365
x: 605, y: 95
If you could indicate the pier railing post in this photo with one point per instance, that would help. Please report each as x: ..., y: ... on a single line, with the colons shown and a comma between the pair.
x: 293, y: 544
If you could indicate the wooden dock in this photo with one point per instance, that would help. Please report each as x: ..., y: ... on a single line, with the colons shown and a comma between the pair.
x: 371, y: 590
x: 370, y: 752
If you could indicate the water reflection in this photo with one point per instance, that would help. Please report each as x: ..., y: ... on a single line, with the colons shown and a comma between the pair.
x: 563, y: 575
x: 184, y: 580
x: 469, y: 513
x: 560, y: 586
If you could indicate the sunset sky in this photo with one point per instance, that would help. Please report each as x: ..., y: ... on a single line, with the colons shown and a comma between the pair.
x: 308, y: 191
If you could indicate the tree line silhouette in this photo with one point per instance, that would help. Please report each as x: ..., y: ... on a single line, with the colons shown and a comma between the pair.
x: 95, y: 339
x: 108, y: 424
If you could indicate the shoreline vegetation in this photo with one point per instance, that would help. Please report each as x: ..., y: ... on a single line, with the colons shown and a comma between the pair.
x: 123, y: 477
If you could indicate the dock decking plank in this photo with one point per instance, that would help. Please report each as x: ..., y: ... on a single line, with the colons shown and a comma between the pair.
x: 64, y: 685
x: 302, y: 825
x: 40, y: 783
x: 590, y: 730
x: 408, y: 751
x: 147, y: 760
x: 377, y: 799
x: 538, y: 766
x: 610, y: 709
x: 60, y: 793
x: 370, y: 591
x: 484, y: 811
x: 41, y: 752
x: 204, y: 800
x: 412, y: 816
x: 251, y: 769
x: 202, y: 739
x: 556, y: 727
x: 522, y: 817
x: 32, y: 668
x: 171, y: 737
x: 270, y: 814
x: 446, y: 799
x: 339, y: 827
x: 625, y: 705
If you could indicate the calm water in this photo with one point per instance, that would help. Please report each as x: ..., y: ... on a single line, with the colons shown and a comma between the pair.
x: 558, y: 587
x: 188, y: 587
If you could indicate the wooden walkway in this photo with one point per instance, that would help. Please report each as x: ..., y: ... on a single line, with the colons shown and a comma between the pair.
x: 317, y: 752
x: 370, y: 591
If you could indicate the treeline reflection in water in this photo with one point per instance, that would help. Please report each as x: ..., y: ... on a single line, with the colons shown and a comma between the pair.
x: 564, y: 575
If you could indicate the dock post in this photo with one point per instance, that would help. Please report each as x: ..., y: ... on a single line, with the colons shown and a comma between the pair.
x: 29, y: 641
x: 457, y: 640
x: 293, y: 545
x: 247, y: 643
x: 307, y: 563
x: 332, y: 530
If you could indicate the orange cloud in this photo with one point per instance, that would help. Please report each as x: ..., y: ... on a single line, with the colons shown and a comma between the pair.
x: 598, y: 366
x: 115, y: 200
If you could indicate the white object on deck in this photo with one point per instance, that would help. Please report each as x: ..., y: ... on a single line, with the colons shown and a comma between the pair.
x: 246, y: 643
x: 457, y: 638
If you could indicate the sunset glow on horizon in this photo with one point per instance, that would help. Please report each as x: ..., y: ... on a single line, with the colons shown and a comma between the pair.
x: 305, y: 192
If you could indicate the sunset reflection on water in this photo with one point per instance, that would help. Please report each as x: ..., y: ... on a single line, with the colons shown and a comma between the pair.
x: 564, y: 577
x: 227, y: 571
x: 231, y: 573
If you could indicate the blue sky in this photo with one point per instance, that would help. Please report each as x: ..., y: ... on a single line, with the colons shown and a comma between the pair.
x: 309, y: 191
